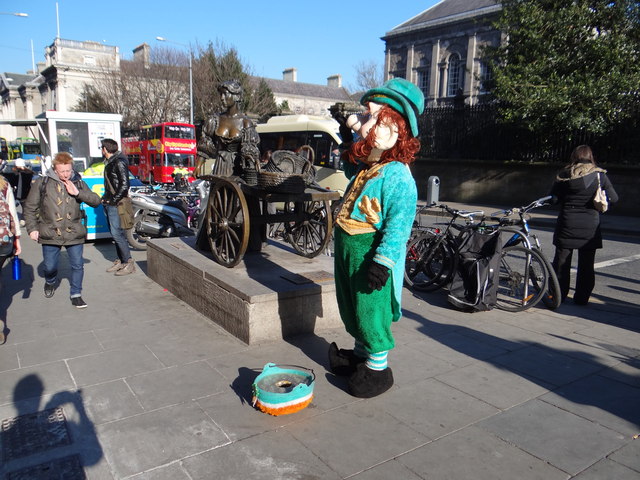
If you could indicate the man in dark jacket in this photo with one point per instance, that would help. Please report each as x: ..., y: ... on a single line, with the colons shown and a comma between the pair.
x: 116, y: 187
x: 54, y: 219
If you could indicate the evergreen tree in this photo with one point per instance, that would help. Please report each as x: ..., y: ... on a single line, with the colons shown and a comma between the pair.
x: 567, y: 65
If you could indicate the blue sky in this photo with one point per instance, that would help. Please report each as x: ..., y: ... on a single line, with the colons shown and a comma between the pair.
x: 320, y: 39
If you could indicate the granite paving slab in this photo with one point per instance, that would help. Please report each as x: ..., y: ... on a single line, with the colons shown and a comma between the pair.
x: 356, y: 437
x: 627, y: 372
x: 176, y: 385
x: 386, y: 471
x: 457, y: 349
x: 606, y: 469
x: 410, y: 365
x: 58, y: 348
x: 9, y: 358
x: 494, y: 384
x: 629, y: 455
x: 547, y: 364
x: 581, y: 347
x: 35, y: 381
x: 602, y: 400
x: 110, y: 401
x: 475, y: 454
x: 274, y: 455
x: 139, y: 443
x: 565, y: 440
x: 173, y: 471
x: 442, y: 409
x: 113, y: 364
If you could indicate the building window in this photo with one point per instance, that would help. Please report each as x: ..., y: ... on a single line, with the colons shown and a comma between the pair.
x: 486, y: 76
x: 423, y: 81
x: 454, y: 75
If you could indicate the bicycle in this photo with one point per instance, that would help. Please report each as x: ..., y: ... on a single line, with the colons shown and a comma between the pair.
x: 521, y: 235
x: 431, y: 261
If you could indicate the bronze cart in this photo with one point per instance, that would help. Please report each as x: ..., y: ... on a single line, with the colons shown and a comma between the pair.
x: 236, y: 216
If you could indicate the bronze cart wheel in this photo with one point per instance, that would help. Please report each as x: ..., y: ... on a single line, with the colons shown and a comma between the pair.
x: 227, y: 222
x: 311, y: 235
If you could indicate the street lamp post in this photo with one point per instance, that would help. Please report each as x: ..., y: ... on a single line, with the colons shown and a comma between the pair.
x: 162, y: 39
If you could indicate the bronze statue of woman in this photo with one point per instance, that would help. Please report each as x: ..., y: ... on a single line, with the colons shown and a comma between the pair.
x: 229, y: 138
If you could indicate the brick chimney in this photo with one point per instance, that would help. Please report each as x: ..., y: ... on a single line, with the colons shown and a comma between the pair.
x: 290, y: 75
x: 334, y: 81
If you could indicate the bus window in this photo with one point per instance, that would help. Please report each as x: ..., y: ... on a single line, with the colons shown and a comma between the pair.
x: 178, y: 159
x: 320, y: 134
x: 179, y: 131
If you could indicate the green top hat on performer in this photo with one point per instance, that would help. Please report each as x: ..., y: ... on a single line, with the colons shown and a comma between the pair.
x: 401, y: 95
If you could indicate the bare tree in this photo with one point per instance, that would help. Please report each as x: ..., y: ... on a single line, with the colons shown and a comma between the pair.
x: 157, y: 89
x: 143, y: 91
x: 368, y: 75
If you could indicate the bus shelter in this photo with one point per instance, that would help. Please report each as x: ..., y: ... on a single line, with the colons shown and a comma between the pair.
x: 80, y: 134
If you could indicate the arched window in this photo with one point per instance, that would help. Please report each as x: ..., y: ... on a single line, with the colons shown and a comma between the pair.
x: 455, y: 79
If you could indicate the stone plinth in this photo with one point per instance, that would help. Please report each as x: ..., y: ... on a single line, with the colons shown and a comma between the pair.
x: 270, y: 295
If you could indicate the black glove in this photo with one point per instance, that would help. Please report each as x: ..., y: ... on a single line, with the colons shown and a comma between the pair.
x: 377, y: 276
x: 337, y: 112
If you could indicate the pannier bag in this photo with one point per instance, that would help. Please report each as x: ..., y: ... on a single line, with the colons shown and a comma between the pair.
x: 125, y: 212
x: 474, y: 286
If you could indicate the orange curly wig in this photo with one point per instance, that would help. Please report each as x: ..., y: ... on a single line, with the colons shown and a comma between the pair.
x: 404, y: 150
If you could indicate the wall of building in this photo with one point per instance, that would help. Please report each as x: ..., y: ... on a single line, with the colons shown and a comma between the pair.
x: 511, y: 184
x: 422, y: 56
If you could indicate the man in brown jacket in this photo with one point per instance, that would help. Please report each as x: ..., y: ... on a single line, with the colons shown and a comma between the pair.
x: 54, y: 219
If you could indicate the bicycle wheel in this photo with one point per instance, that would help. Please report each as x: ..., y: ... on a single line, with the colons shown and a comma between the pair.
x: 430, y: 263
x: 522, y: 279
x: 552, y: 297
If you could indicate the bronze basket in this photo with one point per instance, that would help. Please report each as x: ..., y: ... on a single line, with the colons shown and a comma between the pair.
x: 281, y: 182
x: 288, y: 162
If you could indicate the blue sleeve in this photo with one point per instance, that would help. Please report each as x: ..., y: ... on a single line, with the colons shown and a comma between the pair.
x: 399, y: 197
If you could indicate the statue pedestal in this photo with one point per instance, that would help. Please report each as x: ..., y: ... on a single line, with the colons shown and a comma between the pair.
x: 269, y: 295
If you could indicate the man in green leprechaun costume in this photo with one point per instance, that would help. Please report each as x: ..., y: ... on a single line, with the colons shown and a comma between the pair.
x: 372, y: 229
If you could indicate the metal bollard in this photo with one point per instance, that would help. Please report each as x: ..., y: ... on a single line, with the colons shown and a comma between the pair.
x: 433, y: 190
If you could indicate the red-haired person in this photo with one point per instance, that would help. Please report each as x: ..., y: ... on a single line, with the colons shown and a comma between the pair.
x: 372, y: 230
x: 54, y: 219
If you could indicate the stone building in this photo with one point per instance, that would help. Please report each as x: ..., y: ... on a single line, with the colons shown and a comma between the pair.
x: 58, y: 83
x: 307, y: 98
x: 439, y: 49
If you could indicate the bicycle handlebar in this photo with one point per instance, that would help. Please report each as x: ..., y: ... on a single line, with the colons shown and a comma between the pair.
x: 522, y: 210
x: 461, y: 213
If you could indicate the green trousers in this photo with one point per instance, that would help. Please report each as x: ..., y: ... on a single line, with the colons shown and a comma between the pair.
x: 367, y: 314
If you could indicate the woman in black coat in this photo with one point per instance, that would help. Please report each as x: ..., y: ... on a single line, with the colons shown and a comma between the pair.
x: 578, y: 225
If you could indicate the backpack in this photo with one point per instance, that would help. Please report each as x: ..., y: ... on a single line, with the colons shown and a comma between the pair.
x: 7, y: 230
x: 474, y: 286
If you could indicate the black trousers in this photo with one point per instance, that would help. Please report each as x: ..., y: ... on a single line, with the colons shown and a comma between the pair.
x: 585, y: 280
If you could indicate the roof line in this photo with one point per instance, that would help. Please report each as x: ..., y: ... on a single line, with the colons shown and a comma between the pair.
x: 444, y: 20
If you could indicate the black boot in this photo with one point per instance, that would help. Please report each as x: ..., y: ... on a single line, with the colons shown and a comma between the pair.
x: 367, y: 383
x: 343, y: 362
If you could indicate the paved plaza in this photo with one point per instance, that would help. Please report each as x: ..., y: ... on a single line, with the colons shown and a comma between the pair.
x: 139, y: 385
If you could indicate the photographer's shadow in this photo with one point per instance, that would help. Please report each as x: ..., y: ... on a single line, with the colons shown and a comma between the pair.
x: 61, y: 429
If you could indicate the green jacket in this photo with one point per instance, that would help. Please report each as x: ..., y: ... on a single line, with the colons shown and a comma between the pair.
x: 54, y: 213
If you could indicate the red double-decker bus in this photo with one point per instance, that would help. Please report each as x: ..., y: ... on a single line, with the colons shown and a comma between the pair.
x: 160, y: 150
